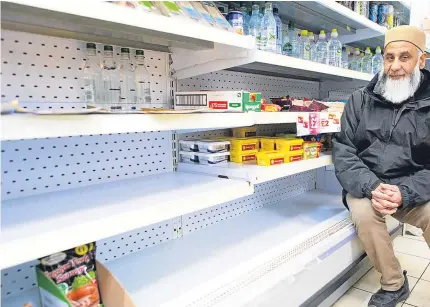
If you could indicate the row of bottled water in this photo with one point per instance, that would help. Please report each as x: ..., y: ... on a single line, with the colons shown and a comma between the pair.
x: 305, y: 47
x: 331, y: 52
x: 266, y: 27
x: 364, y: 62
x: 116, y: 86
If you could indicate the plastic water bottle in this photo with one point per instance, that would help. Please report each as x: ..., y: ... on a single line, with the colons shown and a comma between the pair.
x: 355, y: 59
x: 268, y: 30
x: 350, y: 58
x: 313, y: 45
x: 92, y: 77
x: 305, y: 45
x: 321, y: 48
x: 360, y: 61
x: 111, y: 84
x: 246, y: 19
x: 143, y: 81
x: 345, y: 54
x: 377, y: 61
x: 261, y: 10
x: 127, y: 77
x: 290, y: 44
x: 334, y: 50
x: 255, y: 25
x: 278, y: 30
x: 366, y: 62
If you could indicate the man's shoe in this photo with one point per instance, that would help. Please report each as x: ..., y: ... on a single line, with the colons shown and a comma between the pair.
x: 384, y: 298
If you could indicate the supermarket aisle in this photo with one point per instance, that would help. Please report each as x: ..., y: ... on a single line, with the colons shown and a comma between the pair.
x: 414, y: 256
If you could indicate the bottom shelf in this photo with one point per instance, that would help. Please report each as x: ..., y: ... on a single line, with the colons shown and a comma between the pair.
x: 186, y: 271
x: 206, y: 266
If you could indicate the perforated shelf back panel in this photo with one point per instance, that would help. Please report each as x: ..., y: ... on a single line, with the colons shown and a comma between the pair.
x: 45, y: 72
x: 225, y: 80
x: 38, y: 166
x: 21, y: 278
x: 265, y: 193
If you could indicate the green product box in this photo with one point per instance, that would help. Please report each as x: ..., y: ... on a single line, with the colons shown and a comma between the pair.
x: 251, y: 102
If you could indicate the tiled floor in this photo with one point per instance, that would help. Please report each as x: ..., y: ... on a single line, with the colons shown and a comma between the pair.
x: 414, y: 256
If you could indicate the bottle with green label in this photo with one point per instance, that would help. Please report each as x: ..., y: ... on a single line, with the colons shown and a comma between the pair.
x: 268, y: 29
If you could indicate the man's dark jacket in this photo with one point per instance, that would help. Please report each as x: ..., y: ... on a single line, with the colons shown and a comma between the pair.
x: 384, y: 142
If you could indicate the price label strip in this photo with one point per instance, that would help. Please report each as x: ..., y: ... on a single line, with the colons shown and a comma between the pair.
x: 318, y: 122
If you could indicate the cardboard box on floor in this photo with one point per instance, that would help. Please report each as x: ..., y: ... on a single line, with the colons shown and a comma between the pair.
x: 111, y: 291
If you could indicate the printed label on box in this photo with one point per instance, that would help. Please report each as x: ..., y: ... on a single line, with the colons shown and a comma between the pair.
x: 317, y: 123
x: 249, y: 158
x: 218, y: 105
x: 249, y: 147
x: 295, y: 158
x: 295, y: 147
x: 277, y: 161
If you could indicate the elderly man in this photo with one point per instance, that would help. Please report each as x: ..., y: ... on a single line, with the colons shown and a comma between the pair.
x: 382, y: 156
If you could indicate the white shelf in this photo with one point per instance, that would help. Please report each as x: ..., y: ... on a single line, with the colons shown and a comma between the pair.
x: 104, y: 22
x: 346, y: 16
x: 281, y: 65
x: 254, y: 173
x: 29, y: 126
x: 32, y: 227
x: 214, y: 262
x: 325, y: 15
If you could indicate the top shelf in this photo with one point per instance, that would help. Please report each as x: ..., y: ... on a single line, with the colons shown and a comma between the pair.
x: 326, y: 15
x: 103, y: 22
x: 106, y: 23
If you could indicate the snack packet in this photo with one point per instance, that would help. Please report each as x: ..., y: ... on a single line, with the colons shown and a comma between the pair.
x: 74, y: 273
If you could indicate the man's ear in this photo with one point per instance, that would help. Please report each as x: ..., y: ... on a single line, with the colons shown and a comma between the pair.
x: 422, y: 60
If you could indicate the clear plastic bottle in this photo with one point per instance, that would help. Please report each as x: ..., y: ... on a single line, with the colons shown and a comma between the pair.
x: 350, y: 58
x: 366, y: 62
x: 127, y: 76
x: 268, y: 29
x: 255, y: 25
x: 377, y: 61
x: 321, y: 48
x: 356, y: 59
x: 313, y: 46
x: 345, y: 54
x: 92, y: 77
x: 305, y: 45
x: 261, y: 10
x: 110, y: 94
x: 334, y: 50
x: 143, y: 81
x: 291, y: 46
x: 278, y: 30
x: 246, y: 19
x: 360, y: 61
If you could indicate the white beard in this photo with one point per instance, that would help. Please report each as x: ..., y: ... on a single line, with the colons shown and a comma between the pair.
x: 397, y: 91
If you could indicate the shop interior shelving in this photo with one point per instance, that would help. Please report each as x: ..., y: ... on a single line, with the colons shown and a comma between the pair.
x: 280, y: 225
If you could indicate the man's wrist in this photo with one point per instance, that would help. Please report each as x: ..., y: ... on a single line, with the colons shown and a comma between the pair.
x: 373, y: 187
x: 405, y: 196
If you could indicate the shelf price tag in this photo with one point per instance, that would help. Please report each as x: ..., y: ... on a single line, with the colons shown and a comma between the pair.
x: 318, y: 122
